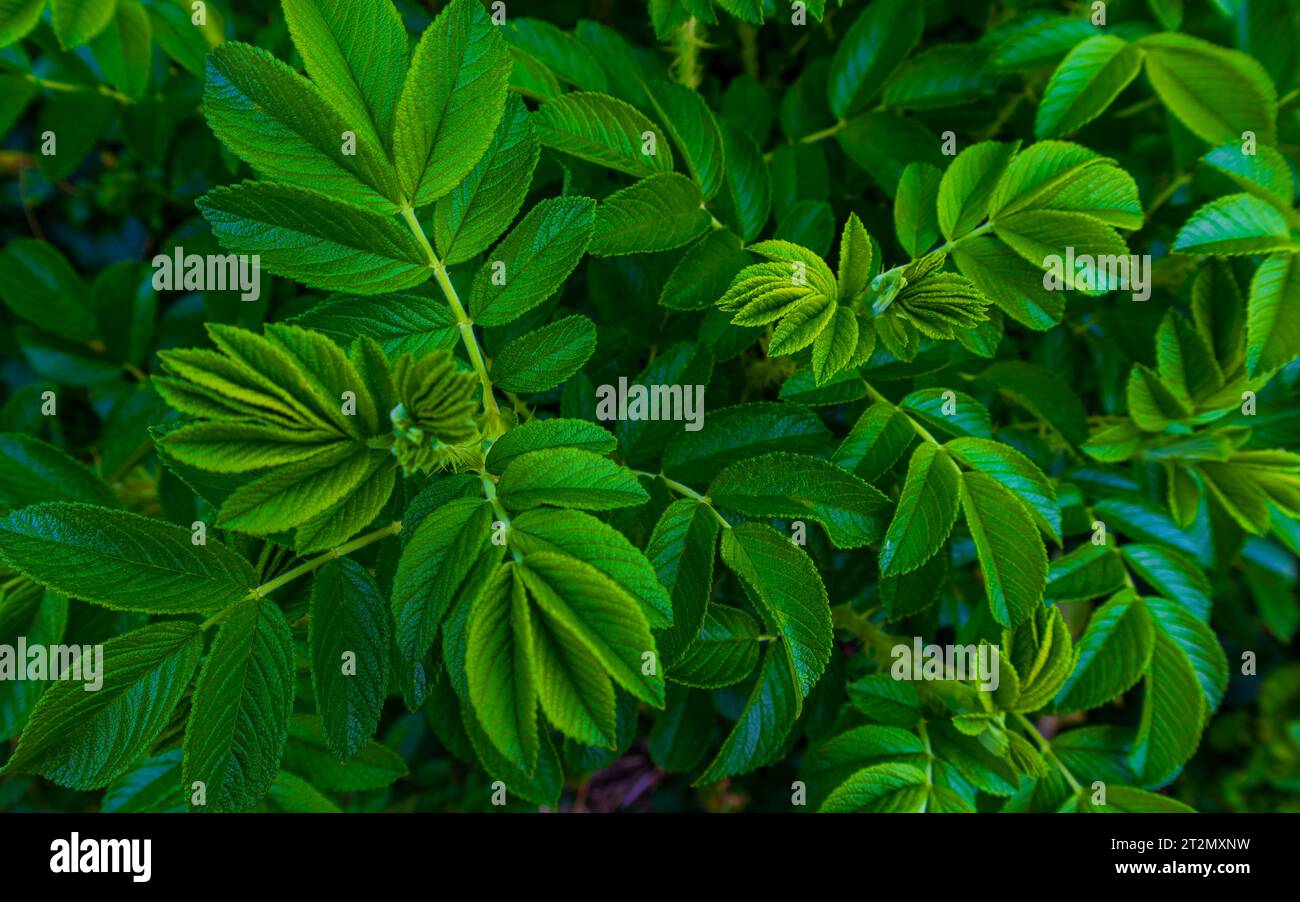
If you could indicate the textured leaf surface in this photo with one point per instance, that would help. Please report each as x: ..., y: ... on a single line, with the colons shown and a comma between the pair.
x: 82, y: 739
x: 239, y: 716
x: 122, y: 560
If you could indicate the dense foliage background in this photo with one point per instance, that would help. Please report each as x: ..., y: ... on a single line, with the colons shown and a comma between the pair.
x: 838, y: 228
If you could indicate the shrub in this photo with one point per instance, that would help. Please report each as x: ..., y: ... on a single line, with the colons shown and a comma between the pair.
x: 884, y: 406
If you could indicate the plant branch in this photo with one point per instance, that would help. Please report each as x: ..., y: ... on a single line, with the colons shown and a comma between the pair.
x: 496, y: 423
x: 689, y: 492
x: 306, y: 567
x: 1046, y: 747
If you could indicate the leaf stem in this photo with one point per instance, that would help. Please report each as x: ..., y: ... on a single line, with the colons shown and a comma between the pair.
x: 686, y: 490
x: 1046, y: 747
x: 881, y: 399
x: 306, y: 567
x: 71, y: 88
x: 496, y: 423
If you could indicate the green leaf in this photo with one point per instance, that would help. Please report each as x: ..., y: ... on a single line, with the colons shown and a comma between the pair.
x: 724, y: 652
x: 1185, y: 360
x: 741, y: 432
x: 926, y: 511
x: 1151, y: 404
x: 38, y: 284
x: 1017, y: 473
x: 915, y: 217
x: 1042, y: 392
x: 349, y: 635
x: 1011, y: 553
x: 876, y: 441
x: 401, y: 323
x: 1194, y: 636
x: 1088, y: 571
x: 599, y: 615
x: 121, y: 560
x: 748, y: 182
x: 1273, y: 315
x: 1263, y: 172
x: 451, y: 103
x: 786, y: 588
x: 35, y: 616
x: 308, y: 755
x: 558, y: 50
x: 482, y: 205
x: 291, y: 793
x: 1062, y: 176
x: 1217, y: 93
x: 881, y: 37
x: 604, y: 130
x: 1111, y: 656
x: 356, y: 54
x: 657, y: 213
x: 931, y: 407
x: 831, y: 762
x: 694, y: 130
x: 704, y: 272
x: 532, y: 262
x: 82, y: 739
x: 32, y: 471
x: 683, y: 732
x: 1088, y: 80
x: 1173, y: 712
x: 314, y: 239
x: 885, y: 699
x: 536, y: 435
x: 435, y: 564
x: 880, y: 788
x: 794, y: 486
x: 545, y: 358
x: 1040, y: 236
x: 77, y: 21
x: 154, y: 784
x: 500, y: 666
x: 968, y: 183
x: 1171, y: 574
x: 123, y: 50
x: 293, y: 494
x: 681, y: 549
x: 239, y: 716
x: 1010, y: 282
x: 1234, y: 225
x: 760, y: 734
x: 282, y: 126
x: 568, y: 477
x: 17, y: 18
x: 582, y: 536
x: 945, y: 75
x: 1126, y: 799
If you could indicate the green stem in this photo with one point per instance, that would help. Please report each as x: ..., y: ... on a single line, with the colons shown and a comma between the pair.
x: 825, y: 133
x: 1047, y: 751
x: 686, y: 490
x: 688, y: 67
x: 71, y: 88
x: 306, y: 567
x: 929, y: 760
x: 881, y: 399
x: 496, y: 424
